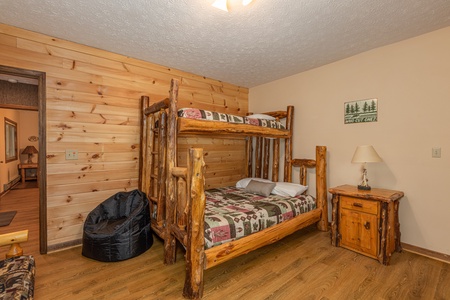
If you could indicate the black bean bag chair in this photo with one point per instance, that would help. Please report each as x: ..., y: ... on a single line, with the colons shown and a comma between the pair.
x: 118, y: 228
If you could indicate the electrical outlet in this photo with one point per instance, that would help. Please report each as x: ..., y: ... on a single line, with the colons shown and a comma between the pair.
x: 436, y: 152
x: 71, y: 154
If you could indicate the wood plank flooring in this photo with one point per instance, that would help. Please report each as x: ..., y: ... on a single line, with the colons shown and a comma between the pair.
x: 26, y: 203
x: 301, y: 266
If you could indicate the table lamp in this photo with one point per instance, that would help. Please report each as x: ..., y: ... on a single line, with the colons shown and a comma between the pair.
x: 365, y: 154
x: 30, y: 150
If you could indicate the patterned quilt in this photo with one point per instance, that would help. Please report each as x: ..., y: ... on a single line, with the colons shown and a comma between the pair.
x: 231, y: 213
x: 17, y: 276
x: 195, y: 113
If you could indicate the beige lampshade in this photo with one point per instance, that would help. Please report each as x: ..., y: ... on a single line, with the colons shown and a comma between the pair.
x: 366, y: 154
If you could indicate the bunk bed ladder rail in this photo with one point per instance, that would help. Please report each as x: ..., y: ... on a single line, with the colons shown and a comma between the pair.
x: 153, y: 160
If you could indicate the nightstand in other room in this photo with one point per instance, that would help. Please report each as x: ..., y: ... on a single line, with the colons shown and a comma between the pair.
x: 23, y: 171
x: 366, y: 221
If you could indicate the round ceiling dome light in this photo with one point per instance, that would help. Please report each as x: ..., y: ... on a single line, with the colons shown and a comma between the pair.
x: 223, y: 4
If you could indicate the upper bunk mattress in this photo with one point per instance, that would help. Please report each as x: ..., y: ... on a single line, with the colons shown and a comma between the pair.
x: 201, y: 114
x: 231, y: 213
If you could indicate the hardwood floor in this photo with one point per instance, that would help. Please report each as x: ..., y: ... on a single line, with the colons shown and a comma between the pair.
x: 26, y: 203
x: 301, y: 266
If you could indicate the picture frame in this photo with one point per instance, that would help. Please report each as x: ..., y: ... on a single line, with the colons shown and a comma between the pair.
x: 10, y: 141
x: 361, y: 111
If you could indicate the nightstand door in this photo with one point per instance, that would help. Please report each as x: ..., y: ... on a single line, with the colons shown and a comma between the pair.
x: 359, y: 231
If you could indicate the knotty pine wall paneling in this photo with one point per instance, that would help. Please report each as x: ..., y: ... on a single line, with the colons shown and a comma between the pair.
x: 92, y: 106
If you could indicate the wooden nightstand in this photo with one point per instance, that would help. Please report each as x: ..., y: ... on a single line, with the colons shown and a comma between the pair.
x: 23, y: 173
x: 366, y: 221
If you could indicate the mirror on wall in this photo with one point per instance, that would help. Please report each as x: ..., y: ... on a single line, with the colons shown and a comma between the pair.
x: 10, y: 140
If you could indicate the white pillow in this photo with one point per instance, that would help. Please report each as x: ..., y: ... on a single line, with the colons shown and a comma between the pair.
x: 261, y: 116
x: 245, y: 181
x: 288, y: 189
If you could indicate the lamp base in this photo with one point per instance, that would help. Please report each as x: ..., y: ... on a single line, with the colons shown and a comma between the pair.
x: 364, y: 187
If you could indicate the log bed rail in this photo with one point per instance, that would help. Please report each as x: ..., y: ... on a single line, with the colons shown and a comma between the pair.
x: 176, y: 194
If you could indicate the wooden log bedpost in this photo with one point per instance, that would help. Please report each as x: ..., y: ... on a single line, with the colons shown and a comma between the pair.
x: 195, y: 250
x: 170, y: 242
x: 266, y: 158
x: 145, y: 101
x: 276, y: 160
x: 249, y: 156
x: 258, y: 156
x: 321, y: 186
x: 162, y: 167
x: 288, y: 145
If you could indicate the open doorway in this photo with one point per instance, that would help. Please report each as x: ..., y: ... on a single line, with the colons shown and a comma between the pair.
x: 38, y: 78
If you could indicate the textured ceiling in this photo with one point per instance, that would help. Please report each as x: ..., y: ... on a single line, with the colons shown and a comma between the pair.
x: 249, y: 46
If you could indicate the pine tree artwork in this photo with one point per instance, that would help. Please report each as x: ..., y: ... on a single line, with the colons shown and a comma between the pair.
x: 361, y: 111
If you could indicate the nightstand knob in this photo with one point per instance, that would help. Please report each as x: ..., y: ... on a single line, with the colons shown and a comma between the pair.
x: 367, y: 225
x: 356, y: 204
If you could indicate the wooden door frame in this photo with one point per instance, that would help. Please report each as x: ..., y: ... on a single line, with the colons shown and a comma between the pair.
x: 42, y: 170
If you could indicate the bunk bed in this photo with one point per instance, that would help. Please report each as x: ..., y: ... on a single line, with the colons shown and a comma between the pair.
x: 177, y: 194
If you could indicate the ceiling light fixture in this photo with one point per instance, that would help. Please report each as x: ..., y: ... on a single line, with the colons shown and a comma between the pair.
x: 223, y: 4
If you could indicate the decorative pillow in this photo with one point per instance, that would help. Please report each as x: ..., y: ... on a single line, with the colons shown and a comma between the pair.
x: 260, y: 188
x: 261, y: 116
x: 245, y: 181
x: 288, y: 189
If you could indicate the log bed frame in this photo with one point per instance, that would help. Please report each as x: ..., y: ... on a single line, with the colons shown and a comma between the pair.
x: 176, y: 194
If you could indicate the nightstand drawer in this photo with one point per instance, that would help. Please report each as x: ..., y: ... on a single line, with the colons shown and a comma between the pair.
x: 361, y: 205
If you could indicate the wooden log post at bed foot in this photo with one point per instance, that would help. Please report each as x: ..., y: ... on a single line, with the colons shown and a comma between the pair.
x: 195, y: 250
x: 321, y: 186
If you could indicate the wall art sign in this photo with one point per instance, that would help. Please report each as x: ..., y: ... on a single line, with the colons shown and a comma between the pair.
x: 361, y: 111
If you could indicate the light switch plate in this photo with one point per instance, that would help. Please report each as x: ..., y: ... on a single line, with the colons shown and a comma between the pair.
x: 436, y: 152
x: 71, y: 154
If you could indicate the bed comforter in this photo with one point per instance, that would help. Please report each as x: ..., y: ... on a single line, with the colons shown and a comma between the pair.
x: 231, y: 213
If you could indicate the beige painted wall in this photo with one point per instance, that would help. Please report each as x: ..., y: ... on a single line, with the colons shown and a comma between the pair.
x: 29, y: 126
x: 411, y: 80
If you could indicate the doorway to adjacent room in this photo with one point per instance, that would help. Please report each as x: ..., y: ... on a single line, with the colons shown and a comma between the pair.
x: 29, y: 184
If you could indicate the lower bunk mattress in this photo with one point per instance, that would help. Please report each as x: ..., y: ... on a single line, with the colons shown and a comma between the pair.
x: 231, y: 213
